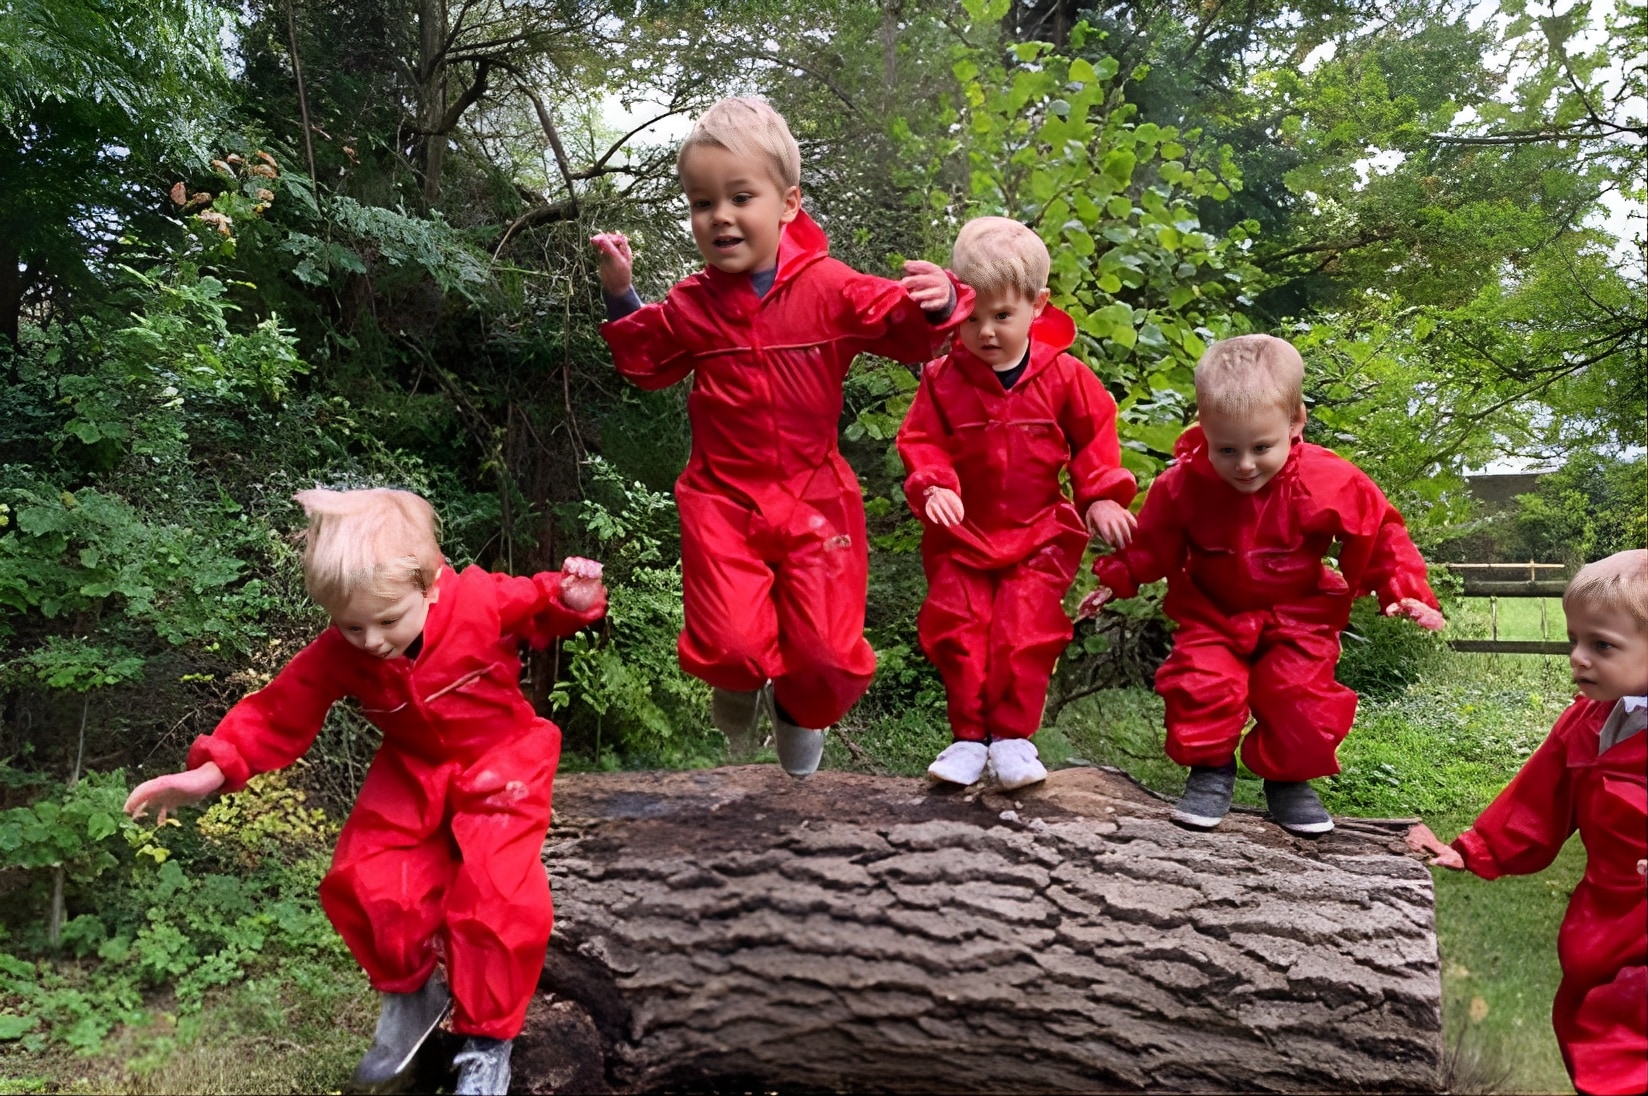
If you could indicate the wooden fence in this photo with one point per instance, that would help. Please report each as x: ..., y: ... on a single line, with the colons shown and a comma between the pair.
x: 1497, y: 584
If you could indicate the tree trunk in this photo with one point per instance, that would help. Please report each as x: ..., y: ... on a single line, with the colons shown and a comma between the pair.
x: 432, y: 26
x: 731, y: 928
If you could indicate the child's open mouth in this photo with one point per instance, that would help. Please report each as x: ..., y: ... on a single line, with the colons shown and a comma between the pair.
x: 728, y: 242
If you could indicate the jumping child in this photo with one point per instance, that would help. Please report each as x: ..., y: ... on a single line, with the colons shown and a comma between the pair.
x: 773, y: 557
x: 993, y: 426
x: 440, y: 858
x: 1240, y: 527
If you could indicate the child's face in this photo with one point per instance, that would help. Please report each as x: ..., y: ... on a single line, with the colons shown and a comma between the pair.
x: 999, y: 328
x: 1248, y: 450
x: 381, y: 626
x: 738, y: 209
x: 1608, y: 653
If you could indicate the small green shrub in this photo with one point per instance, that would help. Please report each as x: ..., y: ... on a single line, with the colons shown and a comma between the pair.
x: 184, y: 909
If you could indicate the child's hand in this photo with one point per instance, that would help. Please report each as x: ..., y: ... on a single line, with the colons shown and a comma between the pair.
x: 1417, y: 611
x: 927, y: 285
x: 1111, y: 523
x: 581, y: 583
x: 616, y: 262
x: 944, y: 507
x: 1094, y: 602
x: 1421, y: 839
x: 1642, y: 870
x: 168, y: 793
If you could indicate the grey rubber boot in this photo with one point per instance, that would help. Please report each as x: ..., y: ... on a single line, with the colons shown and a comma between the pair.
x: 483, y: 1067
x: 1206, y: 798
x: 1295, y: 808
x: 404, y: 1023
x: 736, y: 714
x: 800, y: 749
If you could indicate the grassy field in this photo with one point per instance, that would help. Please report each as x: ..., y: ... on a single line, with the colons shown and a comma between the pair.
x: 1516, y: 617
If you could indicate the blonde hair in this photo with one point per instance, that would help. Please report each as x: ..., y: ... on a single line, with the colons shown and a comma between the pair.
x: 1250, y: 373
x: 751, y: 130
x: 1618, y: 582
x: 995, y: 254
x: 378, y: 540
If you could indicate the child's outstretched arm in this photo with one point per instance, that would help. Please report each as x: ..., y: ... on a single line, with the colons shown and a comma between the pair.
x: 543, y: 607
x: 906, y: 321
x: 644, y: 344
x: 265, y: 731
x: 1156, y: 550
x: 165, y: 794
x: 1103, y: 488
x: 1378, y: 556
x: 932, y: 487
x: 1525, y: 826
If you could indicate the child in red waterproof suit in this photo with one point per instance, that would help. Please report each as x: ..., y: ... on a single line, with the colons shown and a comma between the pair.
x: 1590, y: 775
x: 440, y: 857
x: 1240, y: 526
x: 773, y: 556
x: 992, y: 427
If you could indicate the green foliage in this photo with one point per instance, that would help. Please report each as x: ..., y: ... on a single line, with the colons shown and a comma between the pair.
x: 645, y: 708
x: 1381, y: 656
x: 152, y: 908
x: 1591, y: 507
x: 1051, y: 140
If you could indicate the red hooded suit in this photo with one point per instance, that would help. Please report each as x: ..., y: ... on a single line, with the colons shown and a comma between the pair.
x: 773, y: 556
x: 993, y: 622
x: 442, y: 852
x: 1258, y: 610
x: 1601, y: 1009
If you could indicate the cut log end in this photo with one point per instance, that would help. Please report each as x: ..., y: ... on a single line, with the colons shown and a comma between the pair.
x: 734, y: 928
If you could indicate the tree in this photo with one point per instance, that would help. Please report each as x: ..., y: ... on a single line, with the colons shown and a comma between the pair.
x: 98, y: 102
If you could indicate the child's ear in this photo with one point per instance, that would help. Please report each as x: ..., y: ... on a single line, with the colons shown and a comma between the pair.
x: 792, y: 205
x: 1040, y: 303
x: 1296, y: 425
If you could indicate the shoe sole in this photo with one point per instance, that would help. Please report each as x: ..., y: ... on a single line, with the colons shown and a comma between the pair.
x: 1016, y: 785
x: 959, y: 781
x: 1308, y: 829
x: 1196, y: 821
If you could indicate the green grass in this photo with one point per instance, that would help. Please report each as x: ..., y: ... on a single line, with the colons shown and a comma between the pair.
x: 1516, y: 617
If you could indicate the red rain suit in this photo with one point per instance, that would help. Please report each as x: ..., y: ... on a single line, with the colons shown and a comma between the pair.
x: 442, y: 852
x: 1601, y: 1008
x: 1258, y: 610
x: 994, y: 621
x: 773, y: 557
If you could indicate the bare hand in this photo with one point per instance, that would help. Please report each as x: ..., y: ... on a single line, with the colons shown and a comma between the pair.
x: 944, y: 507
x: 581, y: 587
x: 1093, y: 603
x: 616, y: 262
x: 167, y: 793
x: 927, y: 285
x: 1421, y: 839
x: 1111, y: 522
x: 1417, y: 611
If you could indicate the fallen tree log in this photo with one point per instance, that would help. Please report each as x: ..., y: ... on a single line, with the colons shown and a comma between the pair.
x: 736, y: 930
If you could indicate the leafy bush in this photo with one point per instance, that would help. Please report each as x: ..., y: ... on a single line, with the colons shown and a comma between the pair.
x: 187, y: 909
x: 1381, y: 656
x: 645, y: 709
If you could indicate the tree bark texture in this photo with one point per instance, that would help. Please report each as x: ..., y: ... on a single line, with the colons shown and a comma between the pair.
x: 733, y: 929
